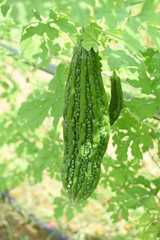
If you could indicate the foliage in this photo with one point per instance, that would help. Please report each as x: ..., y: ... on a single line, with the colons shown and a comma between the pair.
x: 127, y: 35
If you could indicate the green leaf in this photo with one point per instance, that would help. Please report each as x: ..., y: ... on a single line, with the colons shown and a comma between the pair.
x: 136, y: 68
x: 144, y: 220
x: 55, y: 48
x: 131, y: 203
x: 148, y: 54
x: 69, y: 213
x: 90, y: 36
x: 33, y: 41
x: 155, y: 35
x: 52, y: 145
x: 31, y: 46
x: 157, y: 182
x: 57, y: 82
x: 142, y: 180
x: 153, y: 69
x: 41, y: 54
x: 150, y: 204
x: 115, y: 58
x: 137, y: 191
x: 22, y: 11
x: 143, y: 83
x: 35, y: 110
x: 148, y: 12
x: 37, y: 16
x: 151, y: 232
x: 147, y: 141
x: 80, y: 12
x: 136, y: 149
x: 132, y: 35
x: 114, y: 217
x: 119, y: 176
x: 143, y: 107
x: 57, y: 110
x: 59, y: 209
x: 149, y: 7
x: 39, y: 30
x: 4, y: 9
x: 125, y: 213
x: 56, y: 85
x: 111, y: 12
x: 65, y: 26
x: 52, y: 14
x: 111, y: 207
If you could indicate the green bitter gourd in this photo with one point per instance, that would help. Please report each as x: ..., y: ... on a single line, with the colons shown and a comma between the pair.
x: 116, y: 103
x: 86, y: 126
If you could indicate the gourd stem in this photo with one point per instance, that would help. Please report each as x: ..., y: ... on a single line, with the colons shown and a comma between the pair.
x: 114, y: 73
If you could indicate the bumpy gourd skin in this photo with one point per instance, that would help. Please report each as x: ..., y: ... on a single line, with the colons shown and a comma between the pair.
x: 86, y: 126
x: 116, y: 103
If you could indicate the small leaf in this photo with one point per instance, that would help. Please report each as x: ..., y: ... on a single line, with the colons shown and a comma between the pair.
x: 52, y: 14
x: 143, y: 107
x: 144, y: 220
x: 57, y: 86
x: 125, y: 213
x: 4, y: 9
x: 59, y: 209
x: 37, y: 16
x: 80, y: 12
x: 115, y: 217
x: 151, y: 204
x: 69, y: 213
x: 90, y: 36
x: 111, y: 12
x: 137, y: 191
x: 33, y: 41
x: 65, y: 26
x: 151, y: 232
x: 35, y: 110
x: 132, y: 35
x: 155, y: 35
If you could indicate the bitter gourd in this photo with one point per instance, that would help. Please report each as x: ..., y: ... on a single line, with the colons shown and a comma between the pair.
x: 116, y: 103
x: 86, y: 126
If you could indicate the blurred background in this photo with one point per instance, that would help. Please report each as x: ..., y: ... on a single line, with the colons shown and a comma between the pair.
x: 37, y: 42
